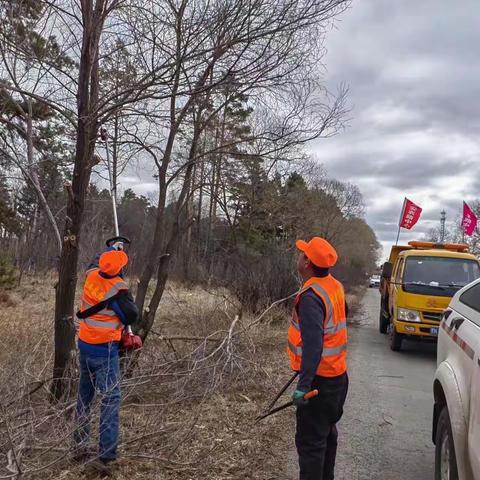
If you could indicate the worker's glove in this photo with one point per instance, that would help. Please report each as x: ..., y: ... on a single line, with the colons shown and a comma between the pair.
x: 298, y: 399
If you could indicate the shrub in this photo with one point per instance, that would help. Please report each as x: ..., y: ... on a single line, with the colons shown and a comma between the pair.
x: 259, y: 280
x: 7, y: 274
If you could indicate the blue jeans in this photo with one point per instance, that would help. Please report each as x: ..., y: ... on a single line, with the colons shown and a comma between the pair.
x: 100, y: 375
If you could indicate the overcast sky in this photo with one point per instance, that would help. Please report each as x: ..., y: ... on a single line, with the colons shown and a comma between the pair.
x: 413, y: 70
x: 414, y: 75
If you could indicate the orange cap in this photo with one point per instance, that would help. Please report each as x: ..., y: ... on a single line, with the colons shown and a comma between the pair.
x: 112, y: 262
x: 319, y: 252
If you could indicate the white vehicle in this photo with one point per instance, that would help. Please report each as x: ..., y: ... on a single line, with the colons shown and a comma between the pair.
x: 456, y: 413
x: 374, y: 281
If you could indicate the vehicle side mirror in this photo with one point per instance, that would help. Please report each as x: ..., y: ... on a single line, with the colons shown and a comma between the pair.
x: 387, y: 270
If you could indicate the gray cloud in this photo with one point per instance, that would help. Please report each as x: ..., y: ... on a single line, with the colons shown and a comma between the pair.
x: 414, y: 77
x: 414, y: 83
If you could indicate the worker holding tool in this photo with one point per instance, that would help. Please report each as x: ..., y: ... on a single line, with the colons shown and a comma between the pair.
x: 107, y: 306
x: 317, y: 348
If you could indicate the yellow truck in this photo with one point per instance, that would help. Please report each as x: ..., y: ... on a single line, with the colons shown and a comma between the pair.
x: 417, y: 284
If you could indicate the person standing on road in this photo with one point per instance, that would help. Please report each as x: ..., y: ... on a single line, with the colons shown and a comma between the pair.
x: 107, y: 306
x: 317, y: 348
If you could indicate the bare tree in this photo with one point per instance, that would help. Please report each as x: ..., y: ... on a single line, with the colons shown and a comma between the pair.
x: 85, y: 32
x: 164, y: 74
x: 261, y: 49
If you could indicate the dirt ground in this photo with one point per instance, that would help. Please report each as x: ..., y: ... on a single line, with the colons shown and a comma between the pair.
x: 188, y: 407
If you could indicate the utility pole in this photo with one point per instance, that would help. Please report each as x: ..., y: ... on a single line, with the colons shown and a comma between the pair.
x: 443, y: 219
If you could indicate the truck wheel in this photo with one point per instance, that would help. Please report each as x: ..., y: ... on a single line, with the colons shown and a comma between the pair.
x: 383, y: 322
x: 445, y: 461
x: 395, y: 339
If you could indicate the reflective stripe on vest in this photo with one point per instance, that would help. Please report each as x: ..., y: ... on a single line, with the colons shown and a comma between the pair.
x: 296, y: 350
x: 329, y: 329
x: 115, y: 289
x: 336, y: 328
x: 329, y: 307
x: 322, y: 293
x: 102, y: 323
x: 295, y: 324
x: 331, y: 352
x: 327, y: 352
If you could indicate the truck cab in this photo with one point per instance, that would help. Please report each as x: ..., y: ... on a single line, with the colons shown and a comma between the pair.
x: 417, y: 285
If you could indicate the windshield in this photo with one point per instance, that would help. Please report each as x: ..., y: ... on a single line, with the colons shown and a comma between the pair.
x: 439, y: 276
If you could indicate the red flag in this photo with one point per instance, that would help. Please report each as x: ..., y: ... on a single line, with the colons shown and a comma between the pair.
x: 410, y: 214
x: 469, y: 221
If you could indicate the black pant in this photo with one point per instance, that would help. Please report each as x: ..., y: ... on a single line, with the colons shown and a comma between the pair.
x: 316, y: 437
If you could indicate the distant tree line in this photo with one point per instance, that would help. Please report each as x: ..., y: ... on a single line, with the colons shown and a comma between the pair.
x: 242, y: 238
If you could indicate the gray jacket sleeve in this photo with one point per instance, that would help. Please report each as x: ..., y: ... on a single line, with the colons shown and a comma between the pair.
x: 311, y: 311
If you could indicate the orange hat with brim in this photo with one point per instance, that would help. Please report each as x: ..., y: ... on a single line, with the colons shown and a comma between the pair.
x: 112, y: 262
x: 319, y: 252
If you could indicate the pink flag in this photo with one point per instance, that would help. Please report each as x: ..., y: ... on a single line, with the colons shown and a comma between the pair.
x: 469, y: 221
x: 410, y: 214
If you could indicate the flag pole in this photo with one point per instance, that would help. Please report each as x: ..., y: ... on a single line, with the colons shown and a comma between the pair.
x: 400, y: 220
x: 462, y: 224
x: 398, y: 235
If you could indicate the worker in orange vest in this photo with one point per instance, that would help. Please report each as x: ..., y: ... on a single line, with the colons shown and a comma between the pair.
x: 107, y: 306
x: 317, y: 348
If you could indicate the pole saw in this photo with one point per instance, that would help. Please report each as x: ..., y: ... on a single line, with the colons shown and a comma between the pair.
x: 118, y: 242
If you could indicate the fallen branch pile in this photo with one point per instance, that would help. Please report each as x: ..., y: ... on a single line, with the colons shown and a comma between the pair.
x: 188, y: 404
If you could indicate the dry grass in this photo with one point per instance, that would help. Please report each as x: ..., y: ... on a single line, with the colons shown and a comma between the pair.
x: 187, y: 410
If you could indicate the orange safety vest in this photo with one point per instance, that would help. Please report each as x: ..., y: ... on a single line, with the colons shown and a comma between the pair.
x: 334, y: 357
x: 104, y: 326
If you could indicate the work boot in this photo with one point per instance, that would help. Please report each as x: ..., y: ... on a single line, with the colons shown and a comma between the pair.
x: 83, y: 454
x: 103, y: 466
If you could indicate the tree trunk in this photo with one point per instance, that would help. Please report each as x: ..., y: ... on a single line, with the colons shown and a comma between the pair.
x: 200, y: 197
x: 32, y: 234
x: 87, y: 98
x: 189, y: 216
x: 148, y: 318
x: 33, y: 177
x: 155, y: 257
x: 211, y: 208
x: 155, y: 247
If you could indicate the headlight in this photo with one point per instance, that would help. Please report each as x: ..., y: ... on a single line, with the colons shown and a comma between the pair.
x: 406, y: 315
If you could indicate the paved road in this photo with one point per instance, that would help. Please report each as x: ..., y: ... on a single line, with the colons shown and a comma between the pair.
x: 385, y: 432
